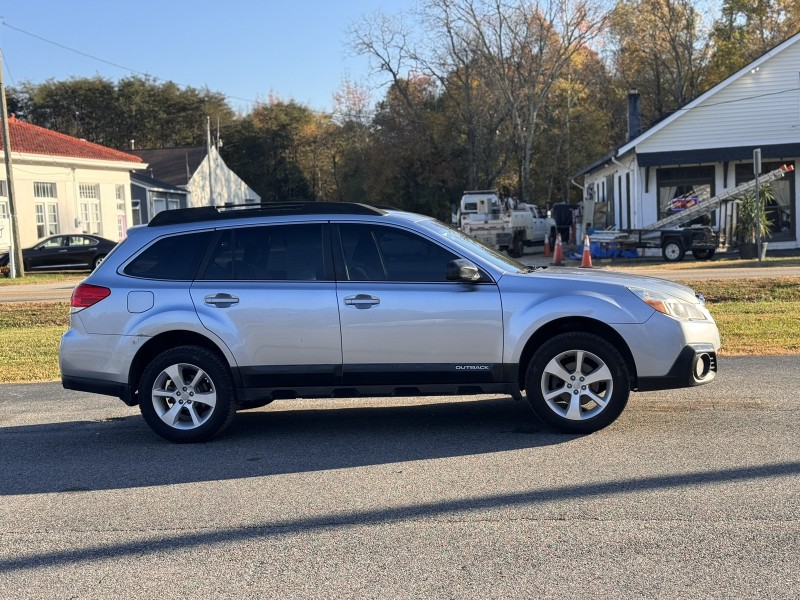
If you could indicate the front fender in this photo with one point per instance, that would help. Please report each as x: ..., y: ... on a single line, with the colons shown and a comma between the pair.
x: 525, y: 317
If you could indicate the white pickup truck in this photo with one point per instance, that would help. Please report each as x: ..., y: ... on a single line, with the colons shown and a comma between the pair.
x: 502, y: 224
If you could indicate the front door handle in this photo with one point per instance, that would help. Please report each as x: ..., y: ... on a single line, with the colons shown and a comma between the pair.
x: 221, y: 300
x: 362, y: 301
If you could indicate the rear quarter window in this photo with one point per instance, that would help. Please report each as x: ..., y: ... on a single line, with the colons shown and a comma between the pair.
x: 171, y: 258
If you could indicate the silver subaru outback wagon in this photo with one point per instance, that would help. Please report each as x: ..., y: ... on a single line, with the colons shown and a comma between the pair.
x: 209, y: 310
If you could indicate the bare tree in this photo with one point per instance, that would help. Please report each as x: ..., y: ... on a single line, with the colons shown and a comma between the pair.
x: 526, y: 46
x: 495, y: 60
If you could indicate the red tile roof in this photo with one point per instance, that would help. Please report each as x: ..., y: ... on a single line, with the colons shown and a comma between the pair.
x: 33, y: 139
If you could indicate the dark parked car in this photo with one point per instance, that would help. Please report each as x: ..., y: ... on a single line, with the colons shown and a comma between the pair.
x: 64, y: 251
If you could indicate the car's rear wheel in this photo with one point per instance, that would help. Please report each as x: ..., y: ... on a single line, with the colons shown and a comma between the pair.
x: 97, y: 260
x: 577, y: 383
x: 186, y: 394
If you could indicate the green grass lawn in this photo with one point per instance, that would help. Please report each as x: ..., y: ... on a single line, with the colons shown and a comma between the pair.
x: 34, y: 278
x: 29, y: 337
x: 755, y: 317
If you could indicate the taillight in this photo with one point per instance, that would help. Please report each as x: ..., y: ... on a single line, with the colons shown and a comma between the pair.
x: 85, y: 295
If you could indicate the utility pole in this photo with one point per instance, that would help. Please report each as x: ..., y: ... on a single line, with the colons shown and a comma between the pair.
x: 210, y: 165
x: 757, y: 171
x: 15, y: 253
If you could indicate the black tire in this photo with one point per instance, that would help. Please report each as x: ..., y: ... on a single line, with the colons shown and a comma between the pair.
x: 673, y: 250
x: 97, y: 260
x: 196, y: 410
x: 517, y: 248
x: 703, y: 254
x: 577, y: 355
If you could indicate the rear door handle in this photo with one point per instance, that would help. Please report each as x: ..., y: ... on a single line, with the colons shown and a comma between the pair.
x: 221, y: 300
x: 361, y: 301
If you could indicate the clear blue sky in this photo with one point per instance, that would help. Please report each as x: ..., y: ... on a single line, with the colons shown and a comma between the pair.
x: 247, y: 50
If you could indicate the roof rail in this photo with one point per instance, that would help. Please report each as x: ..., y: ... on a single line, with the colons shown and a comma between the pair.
x: 236, y: 211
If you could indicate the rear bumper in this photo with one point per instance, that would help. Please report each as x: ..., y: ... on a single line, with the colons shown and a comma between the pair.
x: 99, y: 386
x: 696, y: 365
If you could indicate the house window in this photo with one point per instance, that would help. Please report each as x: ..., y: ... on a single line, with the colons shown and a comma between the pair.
x: 4, y: 214
x: 162, y: 203
x: 136, y: 212
x: 89, y: 194
x: 680, y: 188
x: 780, y: 208
x: 120, y: 195
x: 44, y: 189
x: 46, y: 219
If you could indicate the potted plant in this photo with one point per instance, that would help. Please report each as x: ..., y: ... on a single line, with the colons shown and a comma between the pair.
x: 750, y: 221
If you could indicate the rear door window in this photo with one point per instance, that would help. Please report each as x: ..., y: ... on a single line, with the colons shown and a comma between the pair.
x: 269, y: 253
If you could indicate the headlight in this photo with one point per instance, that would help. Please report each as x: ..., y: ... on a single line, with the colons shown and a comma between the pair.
x: 672, y: 305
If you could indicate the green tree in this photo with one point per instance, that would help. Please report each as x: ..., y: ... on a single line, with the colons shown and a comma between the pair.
x: 136, y: 109
x: 746, y: 29
x: 576, y: 127
x: 659, y: 47
x: 265, y: 147
x: 84, y: 108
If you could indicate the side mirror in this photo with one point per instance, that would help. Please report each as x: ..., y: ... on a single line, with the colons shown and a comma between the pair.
x: 462, y: 270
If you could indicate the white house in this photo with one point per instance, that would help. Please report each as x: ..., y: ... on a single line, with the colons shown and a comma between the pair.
x: 705, y: 148
x: 65, y: 185
x: 199, y: 170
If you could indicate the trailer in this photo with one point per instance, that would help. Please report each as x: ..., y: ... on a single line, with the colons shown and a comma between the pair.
x: 667, y: 233
x: 700, y: 240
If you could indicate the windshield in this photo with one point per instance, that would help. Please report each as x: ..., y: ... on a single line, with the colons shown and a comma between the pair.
x: 501, y: 261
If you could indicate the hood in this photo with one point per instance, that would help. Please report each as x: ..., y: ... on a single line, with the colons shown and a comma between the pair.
x: 601, y: 276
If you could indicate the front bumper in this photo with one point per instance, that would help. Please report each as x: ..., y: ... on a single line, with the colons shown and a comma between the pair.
x: 696, y: 365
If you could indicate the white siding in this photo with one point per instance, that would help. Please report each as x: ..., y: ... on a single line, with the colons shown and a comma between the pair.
x: 228, y: 186
x: 757, y: 109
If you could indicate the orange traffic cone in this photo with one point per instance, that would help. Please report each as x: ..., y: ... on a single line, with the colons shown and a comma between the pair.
x: 547, y: 244
x: 558, y: 253
x: 586, y: 261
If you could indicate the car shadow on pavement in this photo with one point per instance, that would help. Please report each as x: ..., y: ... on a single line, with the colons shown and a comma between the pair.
x: 174, y: 543
x: 123, y: 452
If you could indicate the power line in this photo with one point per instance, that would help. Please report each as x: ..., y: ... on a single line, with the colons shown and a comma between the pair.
x: 107, y: 62
x: 62, y: 46
x: 742, y: 99
x: 256, y: 102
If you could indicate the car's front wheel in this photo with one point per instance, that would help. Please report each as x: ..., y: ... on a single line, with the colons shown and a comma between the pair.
x: 577, y: 383
x: 186, y: 394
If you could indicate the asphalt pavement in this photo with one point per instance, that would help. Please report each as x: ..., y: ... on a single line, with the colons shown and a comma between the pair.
x: 692, y: 493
